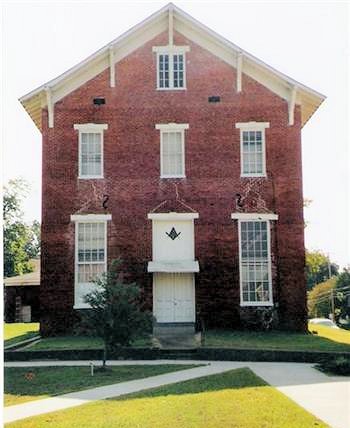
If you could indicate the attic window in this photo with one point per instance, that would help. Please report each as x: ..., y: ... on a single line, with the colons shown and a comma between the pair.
x: 171, y: 67
x: 214, y: 99
x: 99, y: 101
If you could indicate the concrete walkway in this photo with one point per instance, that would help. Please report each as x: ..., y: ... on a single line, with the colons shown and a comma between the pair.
x: 328, y: 398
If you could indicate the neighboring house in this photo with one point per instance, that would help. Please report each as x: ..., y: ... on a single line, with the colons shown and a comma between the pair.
x: 180, y: 153
x: 21, y: 296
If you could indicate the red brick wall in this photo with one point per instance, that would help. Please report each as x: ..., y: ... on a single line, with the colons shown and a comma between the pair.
x: 132, y: 170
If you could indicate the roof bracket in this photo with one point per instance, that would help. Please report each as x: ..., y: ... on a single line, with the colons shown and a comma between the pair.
x: 111, y: 67
x: 50, y: 106
x: 291, y: 105
x: 239, y: 72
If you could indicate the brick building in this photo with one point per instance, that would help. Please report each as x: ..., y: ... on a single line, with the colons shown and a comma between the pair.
x: 180, y: 153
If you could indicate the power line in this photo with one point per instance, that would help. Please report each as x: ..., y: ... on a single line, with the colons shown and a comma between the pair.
x: 340, y: 290
x: 327, y: 298
x: 328, y: 293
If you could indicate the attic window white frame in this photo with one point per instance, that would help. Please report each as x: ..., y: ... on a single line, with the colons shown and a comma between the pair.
x: 171, y: 51
x: 87, y: 128
x: 253, y: 126
x: 172, y: 127
x: 91, y: 219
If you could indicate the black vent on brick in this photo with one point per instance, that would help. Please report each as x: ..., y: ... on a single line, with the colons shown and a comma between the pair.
x: 214, y: 99
x: 99, y: 101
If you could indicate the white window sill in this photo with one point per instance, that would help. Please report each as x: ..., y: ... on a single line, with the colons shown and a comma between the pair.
x: 173, y: 176
x: 247, y: 304
x: 252, y: 175
x: 82, y: 306
x: 90, y: 177
x: 171, y: 89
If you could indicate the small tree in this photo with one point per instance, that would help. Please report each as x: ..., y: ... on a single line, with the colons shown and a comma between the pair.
x: 115, y: 312
x: 342, y: 293
x: 319, y: 299
x: 21, y: 241
x: 317, y: 268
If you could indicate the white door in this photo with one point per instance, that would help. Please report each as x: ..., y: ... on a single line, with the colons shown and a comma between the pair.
x: 174, y: 297
x: 26, y: 313
x: 163, y: 298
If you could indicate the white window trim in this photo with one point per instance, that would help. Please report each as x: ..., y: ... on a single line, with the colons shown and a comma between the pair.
x: 253, y: 126
x: 86, y: 218
x: 254, y: 216
x: 172, y: 127
x: 171, y: 50
x: 269, y: 269
x: 96, y: 128
x: 90, y: 127
x: 172, y: 216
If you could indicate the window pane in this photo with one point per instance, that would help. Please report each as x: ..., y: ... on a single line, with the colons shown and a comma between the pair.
x: 91, y: 250
x: 172, y: 153
x: 91, y: 156
x: 254, y: 261
x: 252, y: 148
x: 88, y: 273
x: 163, y: 70
x: 178, y: 71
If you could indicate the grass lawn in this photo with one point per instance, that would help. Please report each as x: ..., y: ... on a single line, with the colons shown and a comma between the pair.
x: 327, y: 339
x: 26, y: 384
x: 78, y: 342
x: 334, y: 334
x: 330, y: 340
x: 67, y: 342
x: 16, y: 332
x: 236, y: 399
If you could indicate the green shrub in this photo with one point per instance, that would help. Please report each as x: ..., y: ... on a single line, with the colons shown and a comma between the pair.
x: 339, y: 366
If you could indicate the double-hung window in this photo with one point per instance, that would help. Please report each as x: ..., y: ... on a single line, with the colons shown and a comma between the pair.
x: 90, y: 253
x: 255, y: 258
x: 91, y: 149
x: 172, y: 150
x: 253, y: 152
x: 171, y: 67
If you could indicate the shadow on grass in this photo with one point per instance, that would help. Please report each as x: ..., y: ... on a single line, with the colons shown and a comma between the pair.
x: 67, y: 342
x: 233, y: 379
x: 51, y: 381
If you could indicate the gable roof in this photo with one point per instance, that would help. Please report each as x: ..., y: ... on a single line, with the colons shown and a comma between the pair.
x: 279, y: 83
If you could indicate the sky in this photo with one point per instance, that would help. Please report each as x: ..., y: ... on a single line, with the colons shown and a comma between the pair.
x: 308, y: 41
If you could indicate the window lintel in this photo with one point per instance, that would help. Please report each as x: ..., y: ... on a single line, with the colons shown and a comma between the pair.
x: 90, y: 217
x: 252, y: 126
x: 254, y: 216
x: 171, y: 49
x: 90, y: 127
x: 171, y: 126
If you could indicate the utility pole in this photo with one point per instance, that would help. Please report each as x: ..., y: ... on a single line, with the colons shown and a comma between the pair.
x: 332, y: 305
x: 329, y: 268
x: 332, y: 291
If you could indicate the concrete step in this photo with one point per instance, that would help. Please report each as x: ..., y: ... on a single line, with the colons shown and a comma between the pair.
x: 179, y: 341
x: 169, y: 330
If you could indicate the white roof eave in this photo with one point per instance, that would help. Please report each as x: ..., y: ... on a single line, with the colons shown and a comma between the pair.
x: 313, y: 97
